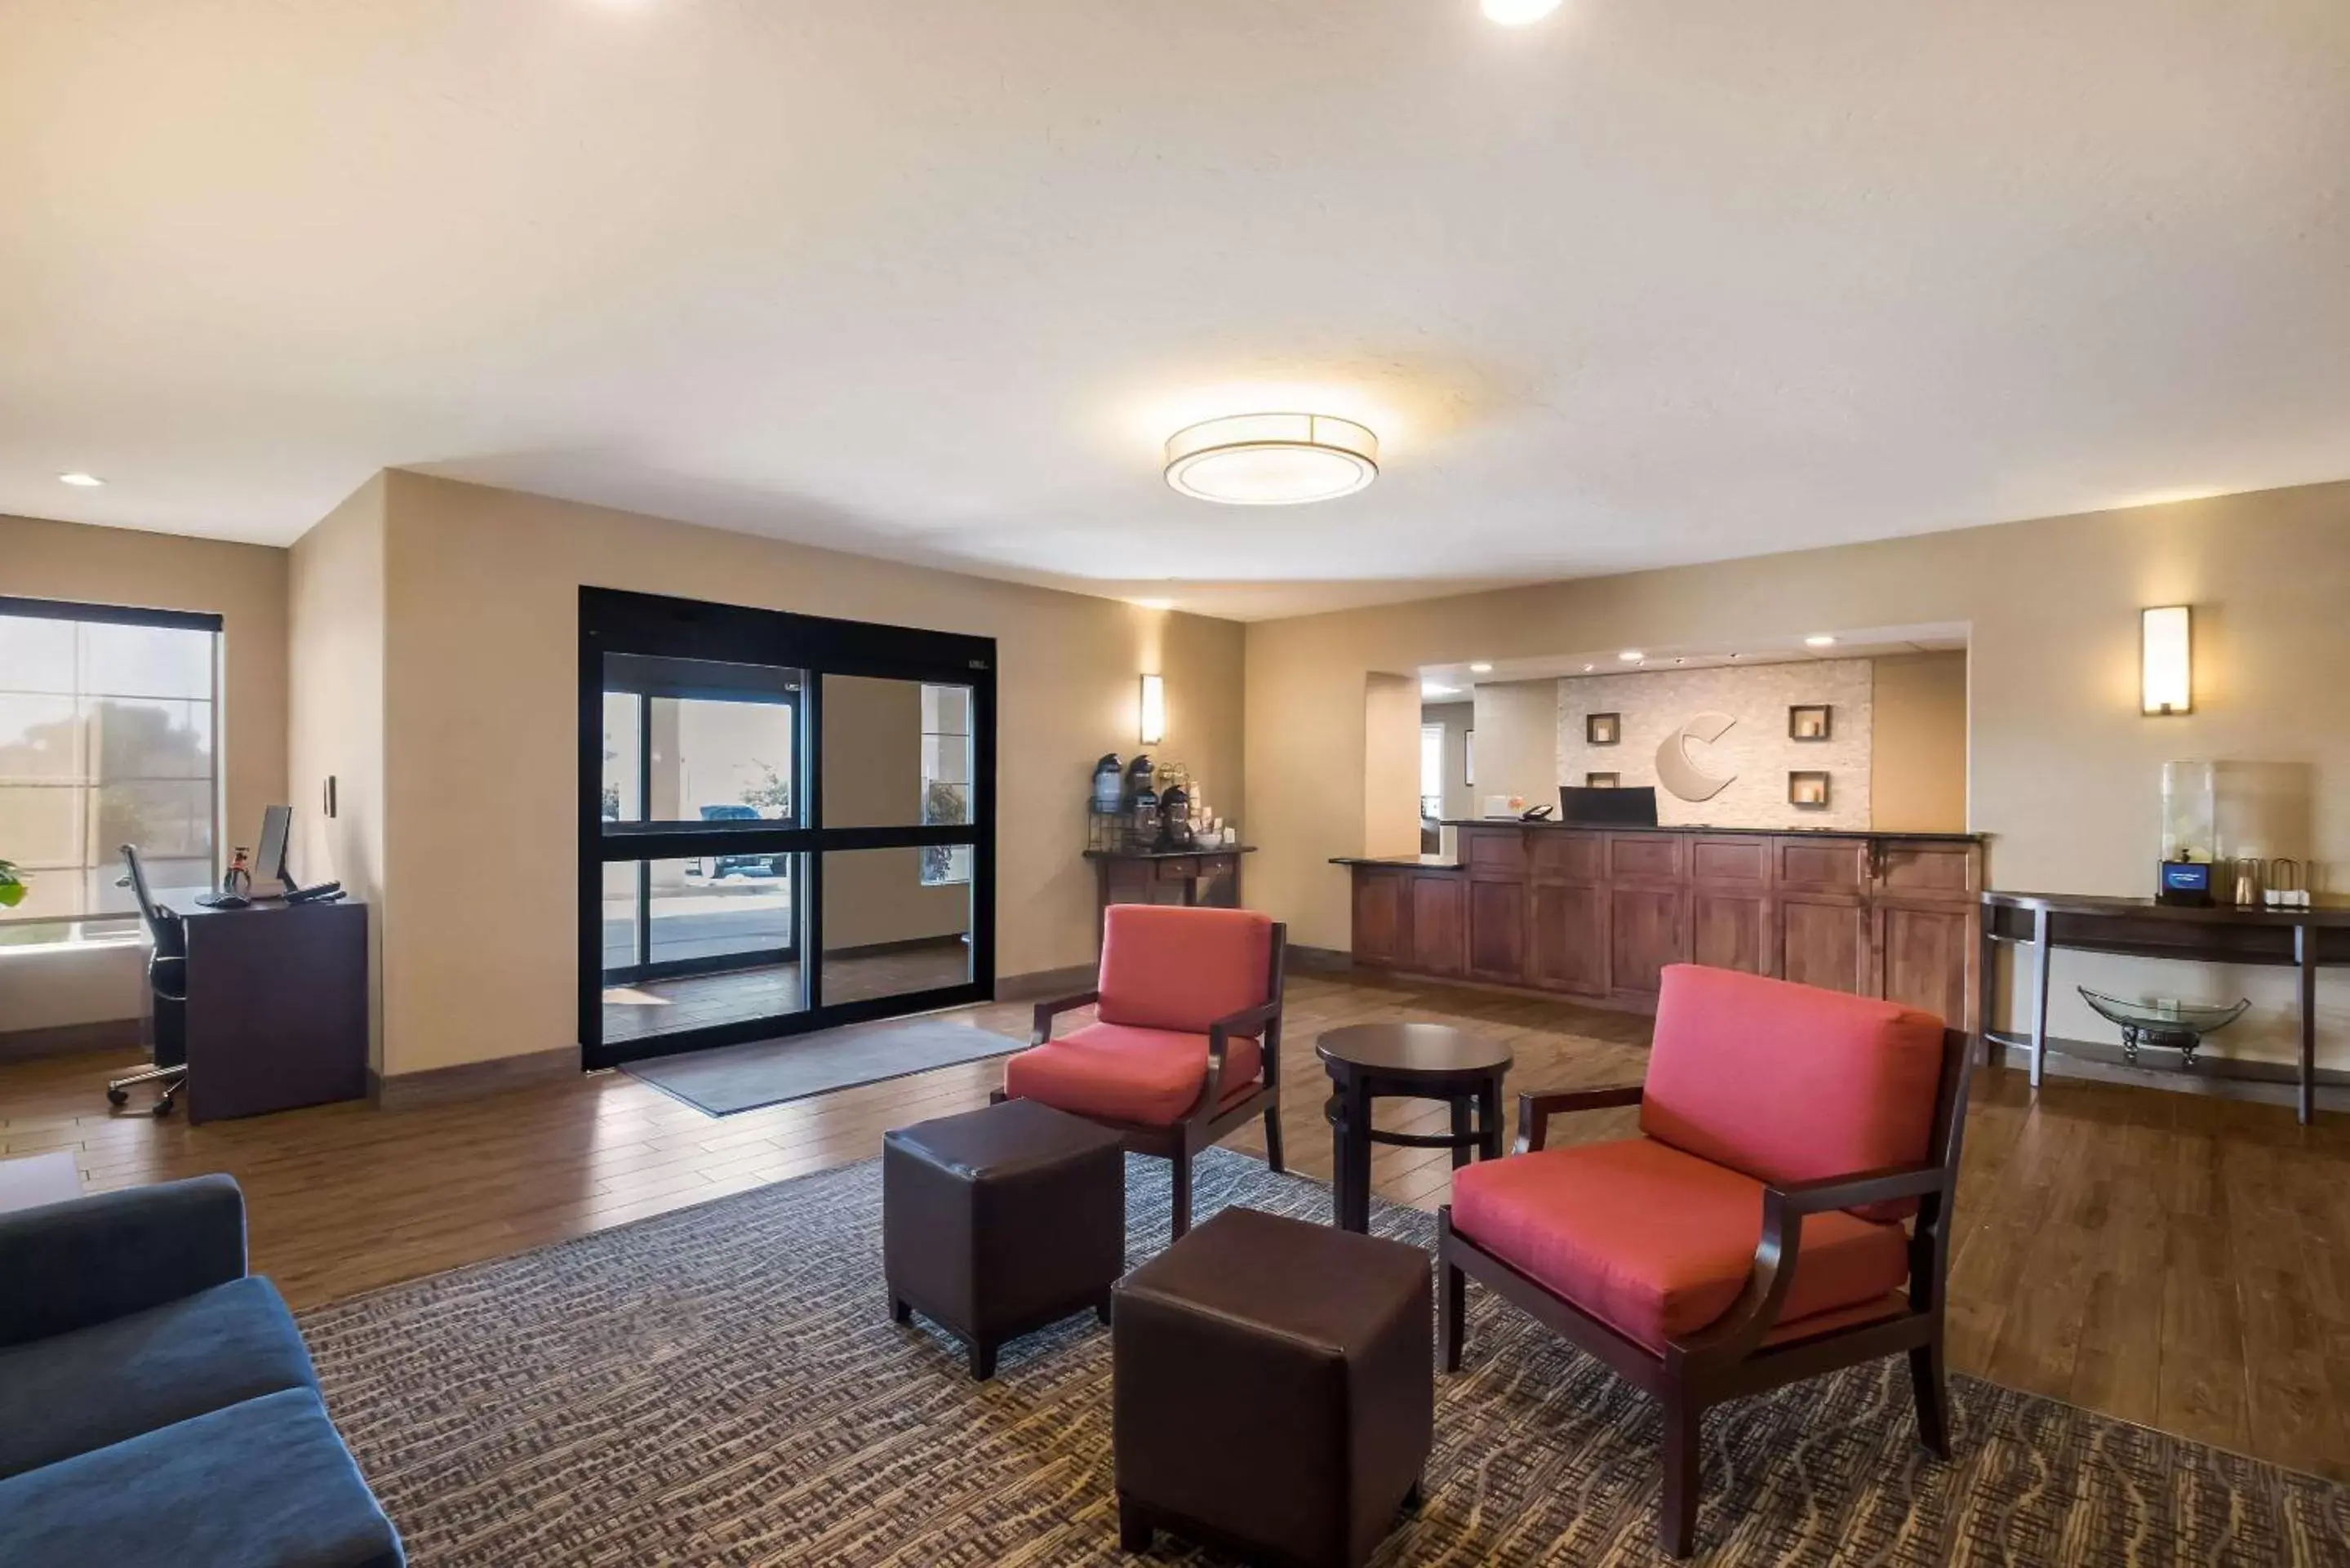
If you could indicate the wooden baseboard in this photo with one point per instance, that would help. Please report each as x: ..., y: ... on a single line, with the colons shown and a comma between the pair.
x: 1320, y: 961
x: 1045, y: 982
x: 72, y: 1039
x: 471, y: 1080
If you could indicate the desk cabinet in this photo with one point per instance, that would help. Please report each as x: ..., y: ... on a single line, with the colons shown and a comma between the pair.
x: 277, y: 1014
x: 1497, y: 930
x: 1598, y: 913
x: 1407, y: 921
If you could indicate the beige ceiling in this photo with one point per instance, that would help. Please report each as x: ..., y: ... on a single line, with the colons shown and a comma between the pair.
x: 1654, y: 281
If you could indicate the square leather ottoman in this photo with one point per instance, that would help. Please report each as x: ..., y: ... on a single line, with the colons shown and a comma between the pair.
x: 999, y: 1221
x: 1274, y: 1390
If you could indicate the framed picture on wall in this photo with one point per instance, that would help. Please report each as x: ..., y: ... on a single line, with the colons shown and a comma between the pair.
x: 1808, y: 790
x: 1602, y: 780
x: 1810, y: 722
x: 1602, y: 729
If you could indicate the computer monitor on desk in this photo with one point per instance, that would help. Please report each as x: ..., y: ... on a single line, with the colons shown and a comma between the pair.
x: 277, y: 826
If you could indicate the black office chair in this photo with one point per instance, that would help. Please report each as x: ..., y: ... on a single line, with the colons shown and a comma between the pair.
x: 167, y: 979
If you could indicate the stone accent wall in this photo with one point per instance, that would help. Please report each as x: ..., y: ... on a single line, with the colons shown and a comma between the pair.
x: 1655, y: 703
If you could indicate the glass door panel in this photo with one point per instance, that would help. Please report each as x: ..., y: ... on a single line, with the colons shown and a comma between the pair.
x: 698, y: 943
x: 888, y: 930
x: 896, y: 753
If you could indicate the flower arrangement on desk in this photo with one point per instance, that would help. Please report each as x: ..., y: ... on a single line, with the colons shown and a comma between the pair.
x: 12, y: 886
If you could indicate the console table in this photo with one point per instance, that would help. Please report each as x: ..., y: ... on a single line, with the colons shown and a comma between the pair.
x: 2307, y: 940
x: 1209, y: 875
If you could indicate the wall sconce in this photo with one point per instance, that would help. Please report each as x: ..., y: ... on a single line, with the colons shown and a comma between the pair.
x: 2166, y: 660
x: 1154, y: 710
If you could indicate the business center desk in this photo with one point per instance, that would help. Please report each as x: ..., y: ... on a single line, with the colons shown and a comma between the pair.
x: 277, y: 1014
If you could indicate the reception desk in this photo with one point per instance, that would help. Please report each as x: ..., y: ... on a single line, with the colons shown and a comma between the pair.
x: 1597, y: 913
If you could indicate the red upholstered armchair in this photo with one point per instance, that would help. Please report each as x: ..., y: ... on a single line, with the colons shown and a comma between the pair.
x: 1754, y: 1235
x: 1187, y: 1044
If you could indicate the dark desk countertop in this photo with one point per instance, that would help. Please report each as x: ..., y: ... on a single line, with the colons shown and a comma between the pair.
x: 1171, y: 854
x: 1716, y: 828
x: 1408, y: 862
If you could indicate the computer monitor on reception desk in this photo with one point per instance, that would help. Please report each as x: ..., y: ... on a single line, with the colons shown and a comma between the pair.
x: 1628, y: 807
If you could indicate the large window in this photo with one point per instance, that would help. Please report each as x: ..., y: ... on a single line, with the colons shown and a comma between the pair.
x: 1431, y: 770
x: 108, y: 725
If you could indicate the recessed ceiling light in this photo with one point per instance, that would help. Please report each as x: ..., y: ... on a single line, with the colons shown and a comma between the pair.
x: 1681, y: 661
x: 1518, y: 13
x: 1589, y: 667
x: 1481, y: 669
x: 1819, y: 640
x: 81, y: 480
x: 1271, y: 460
x: 1631, y: 656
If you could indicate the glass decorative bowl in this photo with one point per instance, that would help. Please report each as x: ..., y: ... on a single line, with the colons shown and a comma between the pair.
x: 2163, y: 1024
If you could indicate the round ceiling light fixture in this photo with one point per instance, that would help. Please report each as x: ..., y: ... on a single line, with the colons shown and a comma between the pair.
x: 1518, y: 13
x: 80, y: 481
x: 1271, y: 460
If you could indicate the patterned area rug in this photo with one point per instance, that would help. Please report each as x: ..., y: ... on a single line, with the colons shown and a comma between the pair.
x: 723, y: 1384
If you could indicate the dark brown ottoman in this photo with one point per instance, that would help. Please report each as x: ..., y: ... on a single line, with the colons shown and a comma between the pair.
x: 1276, y: 1391
x: 999, y: 1221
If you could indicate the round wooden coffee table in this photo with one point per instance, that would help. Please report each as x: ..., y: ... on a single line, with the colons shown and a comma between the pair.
x: 1407, y: 1061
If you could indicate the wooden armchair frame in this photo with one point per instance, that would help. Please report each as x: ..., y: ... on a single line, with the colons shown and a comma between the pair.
x: 1203, y: 1124
x: 1728, y: 1358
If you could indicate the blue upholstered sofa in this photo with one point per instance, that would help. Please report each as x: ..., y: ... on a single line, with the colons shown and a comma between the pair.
x: 156, y: 1404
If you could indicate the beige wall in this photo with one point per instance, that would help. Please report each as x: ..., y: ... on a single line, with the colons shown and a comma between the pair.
x: 338, y: 717
x: 482, y: 744
x: 1390, y: 774
x: 1918, y: 770
x: 242, y: 584
x: 2065, y: 772
x: 1517, y: 742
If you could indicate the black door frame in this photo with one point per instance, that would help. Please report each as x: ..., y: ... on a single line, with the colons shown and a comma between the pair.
x: 617, y: 621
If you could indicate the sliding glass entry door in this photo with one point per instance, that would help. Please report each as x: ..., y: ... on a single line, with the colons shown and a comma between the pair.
x: 786, y: 822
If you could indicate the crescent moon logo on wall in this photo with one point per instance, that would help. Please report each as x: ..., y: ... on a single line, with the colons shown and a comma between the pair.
x: 1684, y: 777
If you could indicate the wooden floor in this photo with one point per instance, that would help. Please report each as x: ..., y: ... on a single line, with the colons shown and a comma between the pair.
x: 2175, y: 1260
x: 656, y: 1007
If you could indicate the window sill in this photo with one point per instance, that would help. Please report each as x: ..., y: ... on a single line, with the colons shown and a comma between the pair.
x: 23, y: 938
